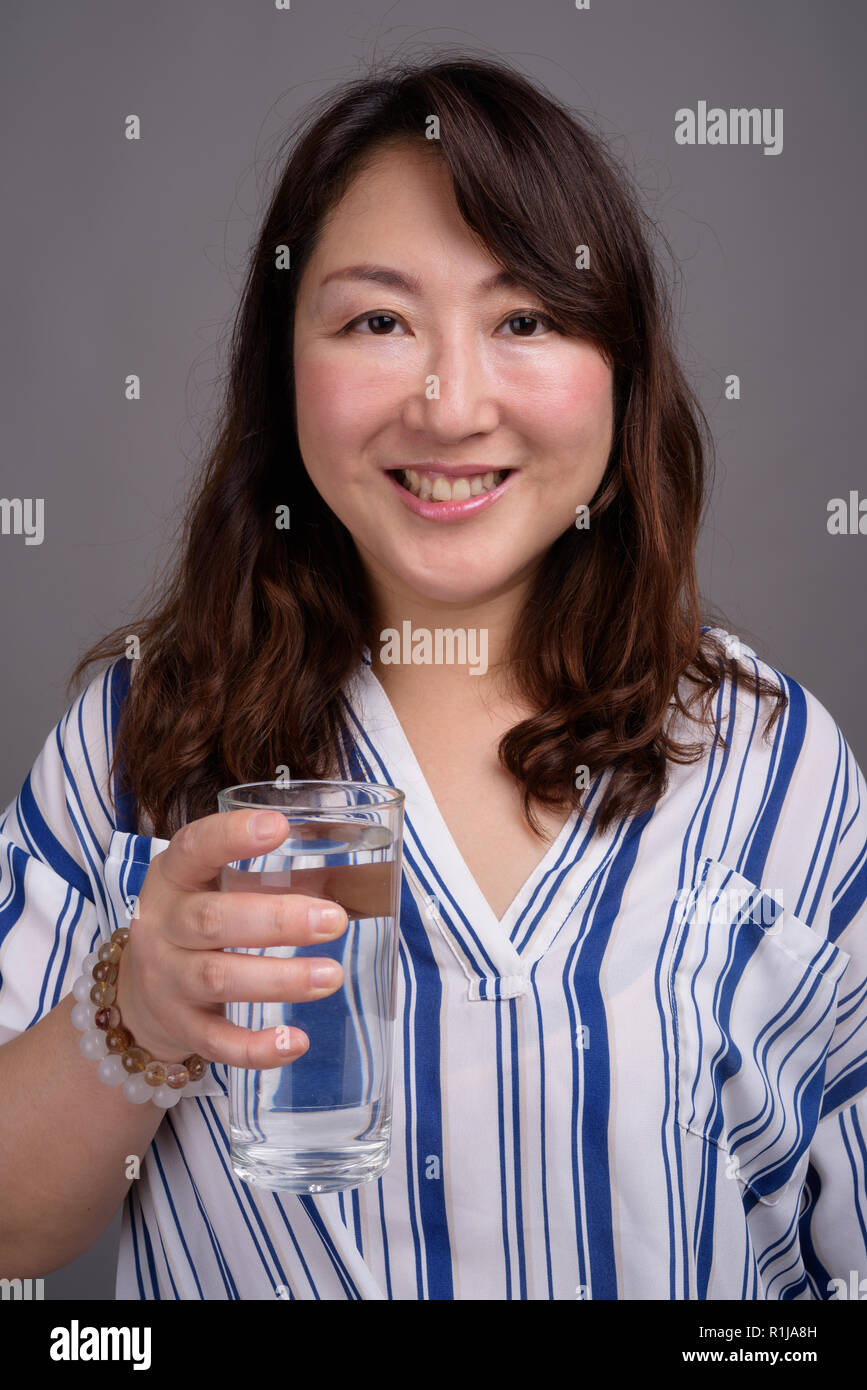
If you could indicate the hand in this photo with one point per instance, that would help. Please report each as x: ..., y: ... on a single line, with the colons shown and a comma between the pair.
x: 175, y: 975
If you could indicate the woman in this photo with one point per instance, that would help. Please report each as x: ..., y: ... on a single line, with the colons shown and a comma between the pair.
x: 633, y: 932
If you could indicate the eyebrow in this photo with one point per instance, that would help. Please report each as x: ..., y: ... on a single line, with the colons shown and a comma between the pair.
x: 409, y: 284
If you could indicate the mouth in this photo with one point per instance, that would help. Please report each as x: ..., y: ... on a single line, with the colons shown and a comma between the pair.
x: 430, y: 486
x: 435, y: 496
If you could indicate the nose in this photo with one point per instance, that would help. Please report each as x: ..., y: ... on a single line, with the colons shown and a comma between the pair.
x: 456, y: 396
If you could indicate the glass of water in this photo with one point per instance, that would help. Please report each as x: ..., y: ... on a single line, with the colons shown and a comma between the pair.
x: 323, y: 1122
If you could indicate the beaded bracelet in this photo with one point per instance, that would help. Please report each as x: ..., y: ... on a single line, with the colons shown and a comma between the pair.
x: 97, y: 1018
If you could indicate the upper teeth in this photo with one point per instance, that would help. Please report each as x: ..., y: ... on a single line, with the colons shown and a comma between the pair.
x: 442, y: 490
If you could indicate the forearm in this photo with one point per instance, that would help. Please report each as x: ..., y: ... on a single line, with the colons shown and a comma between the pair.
x: 65, y: 1141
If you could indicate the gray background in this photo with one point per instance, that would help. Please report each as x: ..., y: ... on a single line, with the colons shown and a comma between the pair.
x: 127, y: 257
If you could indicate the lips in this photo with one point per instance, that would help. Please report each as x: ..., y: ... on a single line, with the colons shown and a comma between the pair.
x: 455, y: 508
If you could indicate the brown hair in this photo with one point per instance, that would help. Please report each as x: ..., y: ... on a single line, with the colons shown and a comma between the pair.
x: 245, y: 652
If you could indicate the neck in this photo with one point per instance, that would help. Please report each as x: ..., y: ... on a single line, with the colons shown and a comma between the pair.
x: 450, y: 654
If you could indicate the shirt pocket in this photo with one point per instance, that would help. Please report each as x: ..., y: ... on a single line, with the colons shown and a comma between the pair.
x: 127, y: 860
x: 753, y: 994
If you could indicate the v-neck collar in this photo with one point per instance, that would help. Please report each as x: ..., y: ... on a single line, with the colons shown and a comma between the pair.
x: 496, y: 954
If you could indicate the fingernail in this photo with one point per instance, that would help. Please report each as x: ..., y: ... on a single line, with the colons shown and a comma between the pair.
x: 325, y: 921
x: 288, y: 1039
x: 264, y: 825
x: 323, y: 972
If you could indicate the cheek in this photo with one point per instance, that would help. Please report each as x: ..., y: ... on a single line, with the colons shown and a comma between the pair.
x: 333, y: 410
x: 574, y: 406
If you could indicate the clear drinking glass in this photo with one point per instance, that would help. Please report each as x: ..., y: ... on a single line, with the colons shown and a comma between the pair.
x: 323, y: 1122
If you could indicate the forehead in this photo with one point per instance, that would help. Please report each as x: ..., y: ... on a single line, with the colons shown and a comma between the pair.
x: 399, y: 201
x: 397, y: 163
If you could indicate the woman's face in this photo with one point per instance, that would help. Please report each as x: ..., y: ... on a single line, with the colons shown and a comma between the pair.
x: 427, y: 368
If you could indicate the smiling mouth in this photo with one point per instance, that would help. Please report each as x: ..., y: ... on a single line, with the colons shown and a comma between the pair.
x: 441, y: 489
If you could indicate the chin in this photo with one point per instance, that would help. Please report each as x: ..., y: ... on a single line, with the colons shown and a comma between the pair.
x: 458, y: 588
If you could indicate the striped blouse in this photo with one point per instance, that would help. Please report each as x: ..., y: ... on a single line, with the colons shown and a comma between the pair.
x: 647, y: 1080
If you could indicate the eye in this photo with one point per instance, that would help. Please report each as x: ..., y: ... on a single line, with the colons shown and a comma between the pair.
x: 530, y: 316
x: 381, y: 318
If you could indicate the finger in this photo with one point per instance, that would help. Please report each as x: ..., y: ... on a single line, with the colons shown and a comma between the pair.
x: 259, y: 1049
x: 200, y: 849
x: 211, y: 921
x: 223, y: 977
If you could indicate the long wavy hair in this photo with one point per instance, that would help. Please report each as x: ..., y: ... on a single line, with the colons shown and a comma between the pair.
x: 247, y: 645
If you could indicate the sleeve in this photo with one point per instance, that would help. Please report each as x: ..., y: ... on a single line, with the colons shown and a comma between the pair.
x: 53, y: 842
x: 833, y: 1219
x: 71, y: 864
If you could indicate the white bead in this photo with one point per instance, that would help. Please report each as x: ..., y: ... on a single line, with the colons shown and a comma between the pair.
x: 111, y: 1069
x: 92, y: 1044
x: 165, y: 1097
x: 137, y: 1089
x: 89, y: 962
x: 81, y: 989
x: 82, y: 1016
